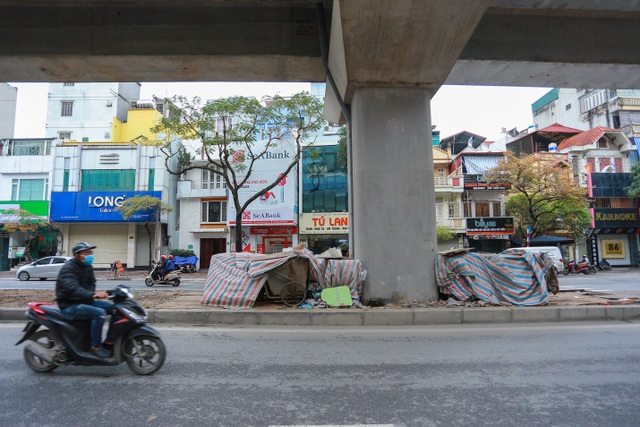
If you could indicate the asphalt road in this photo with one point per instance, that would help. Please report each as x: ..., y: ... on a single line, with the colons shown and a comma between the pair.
x: 189, y: 284
x: 570, y: 374
x: 609, y: 281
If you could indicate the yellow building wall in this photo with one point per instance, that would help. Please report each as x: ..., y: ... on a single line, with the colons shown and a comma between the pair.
x: 138, y: 125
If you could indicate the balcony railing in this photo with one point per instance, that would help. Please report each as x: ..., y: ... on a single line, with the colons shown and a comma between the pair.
x: 456, y: 224
x: 449, y: 182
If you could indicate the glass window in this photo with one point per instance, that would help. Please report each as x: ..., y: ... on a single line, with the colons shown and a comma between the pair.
x: 66, y: 109
x: 29, y: 189
x: 29, y: 147
x: 152, y: 173
x: 214, y: 211
x: 324, y: 180
x: 212, y: 180
x: 496, y: 209
x: 108, y: 180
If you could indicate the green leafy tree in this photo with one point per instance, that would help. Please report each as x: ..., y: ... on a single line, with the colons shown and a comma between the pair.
x: 152, y: 208
x: 25, y: 221
x: 342, y: 147
x: 228, y: 129
x: 542, y: 194
x: 444, y: 233
x: 634, y: 189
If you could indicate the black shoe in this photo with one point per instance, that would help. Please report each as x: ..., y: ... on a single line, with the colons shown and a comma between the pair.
x: 108, y: 347
x: 100, y: 353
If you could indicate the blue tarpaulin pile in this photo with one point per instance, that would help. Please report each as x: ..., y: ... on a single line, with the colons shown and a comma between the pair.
x: 518, y: 278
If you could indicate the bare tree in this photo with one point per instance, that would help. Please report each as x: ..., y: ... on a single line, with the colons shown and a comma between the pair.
x: 234, y: 134
x: 152, y: 208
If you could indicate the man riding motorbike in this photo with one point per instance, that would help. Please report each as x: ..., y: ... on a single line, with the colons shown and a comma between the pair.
x: 169, y: 266
x: 78, y: 300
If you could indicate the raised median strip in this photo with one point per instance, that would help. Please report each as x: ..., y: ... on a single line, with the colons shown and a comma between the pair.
x: 391, y: 317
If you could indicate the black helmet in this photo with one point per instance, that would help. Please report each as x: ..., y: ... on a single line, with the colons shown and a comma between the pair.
x: 81, y: 246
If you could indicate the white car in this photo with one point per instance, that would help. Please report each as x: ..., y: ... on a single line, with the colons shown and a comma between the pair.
x: 43, y: 268
x: 552, y: 251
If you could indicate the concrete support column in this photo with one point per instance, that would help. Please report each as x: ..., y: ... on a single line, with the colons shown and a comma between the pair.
x: 394, y: 216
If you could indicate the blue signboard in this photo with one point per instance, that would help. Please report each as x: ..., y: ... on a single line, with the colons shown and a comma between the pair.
x: 96, y: 206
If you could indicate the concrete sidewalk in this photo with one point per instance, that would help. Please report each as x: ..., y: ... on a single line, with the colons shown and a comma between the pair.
x: 379, y: 317
x: 384, y: 316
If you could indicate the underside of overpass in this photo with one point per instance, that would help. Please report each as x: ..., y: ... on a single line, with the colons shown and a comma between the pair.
x: 384, y: 60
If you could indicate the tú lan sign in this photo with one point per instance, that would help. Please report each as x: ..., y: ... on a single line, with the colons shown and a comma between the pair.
x: 324, y: 223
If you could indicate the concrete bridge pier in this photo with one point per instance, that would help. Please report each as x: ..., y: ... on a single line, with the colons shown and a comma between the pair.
x: 393, y: 212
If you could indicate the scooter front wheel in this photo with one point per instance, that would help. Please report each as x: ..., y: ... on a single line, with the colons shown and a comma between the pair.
x: 144, y: 354
x: 43, y: 338
x: 148, y: 281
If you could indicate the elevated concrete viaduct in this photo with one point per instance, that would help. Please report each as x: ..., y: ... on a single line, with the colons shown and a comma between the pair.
x: 386, y: 59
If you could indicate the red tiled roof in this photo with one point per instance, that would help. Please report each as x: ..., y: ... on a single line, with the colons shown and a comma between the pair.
x: 558, y: 128
x: 586, y: 138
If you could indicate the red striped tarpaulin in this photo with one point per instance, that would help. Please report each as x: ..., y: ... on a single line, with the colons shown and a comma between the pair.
x: 229, y: 284
x: 235, y: 279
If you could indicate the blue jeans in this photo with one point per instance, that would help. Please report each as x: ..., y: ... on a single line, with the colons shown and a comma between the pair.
x: 94, y: 313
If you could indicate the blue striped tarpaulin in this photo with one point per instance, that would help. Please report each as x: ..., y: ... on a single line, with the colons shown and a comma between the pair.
x: 517, y: 278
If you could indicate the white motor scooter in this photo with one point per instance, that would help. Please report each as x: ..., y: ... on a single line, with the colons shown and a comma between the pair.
x: 171, y: 278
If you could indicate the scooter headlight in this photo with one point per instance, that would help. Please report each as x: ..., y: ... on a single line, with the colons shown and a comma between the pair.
x: 135, y: 315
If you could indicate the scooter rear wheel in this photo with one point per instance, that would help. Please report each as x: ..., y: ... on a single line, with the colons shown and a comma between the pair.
x: 175, y: 282
x: 45, y: 339
x: 144, y: 354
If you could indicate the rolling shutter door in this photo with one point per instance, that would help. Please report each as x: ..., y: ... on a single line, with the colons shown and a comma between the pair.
x: 111, y: 240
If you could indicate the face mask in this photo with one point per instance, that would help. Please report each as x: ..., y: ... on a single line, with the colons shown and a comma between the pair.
x: 88, y: 259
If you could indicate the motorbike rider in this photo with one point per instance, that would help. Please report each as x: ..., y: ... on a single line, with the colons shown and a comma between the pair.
x: 159, y: 270
x: 169, y: 266
x: 585, y: 259
x: 78, y: 300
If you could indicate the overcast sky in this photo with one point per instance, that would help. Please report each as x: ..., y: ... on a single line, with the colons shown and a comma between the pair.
x: 482, y: 110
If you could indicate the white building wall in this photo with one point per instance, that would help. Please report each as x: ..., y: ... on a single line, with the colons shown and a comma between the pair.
x: 9, y: 97
x: 565, y: 111
x: 94, y: 106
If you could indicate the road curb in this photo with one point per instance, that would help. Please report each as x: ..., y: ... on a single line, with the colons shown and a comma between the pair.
x: 384, y: 317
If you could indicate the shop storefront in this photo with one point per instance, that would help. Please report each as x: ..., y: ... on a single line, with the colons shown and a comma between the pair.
x: 489, y: 234
x: 321, y: 231
x: 21, y: 237
x: 614, y: 236
x: 92, y: 217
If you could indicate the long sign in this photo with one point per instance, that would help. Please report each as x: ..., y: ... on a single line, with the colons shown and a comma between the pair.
x: 98, y: 206
x: 497, y: 225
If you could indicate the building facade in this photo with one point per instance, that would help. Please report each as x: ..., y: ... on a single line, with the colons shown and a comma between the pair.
x: 25, y: 177
x: 91, y: 179
x: 601, y: 162
x: 84, y: 111
x: 9, y: 97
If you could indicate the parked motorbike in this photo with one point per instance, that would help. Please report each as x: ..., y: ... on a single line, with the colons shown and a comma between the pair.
x: 604, y: 265
x: 186, y: 264
x: 65, y: 342
x: 171, y: 278
x: 583, y: 267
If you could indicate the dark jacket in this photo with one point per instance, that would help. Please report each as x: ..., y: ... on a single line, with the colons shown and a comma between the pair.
x: 76, y: 284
